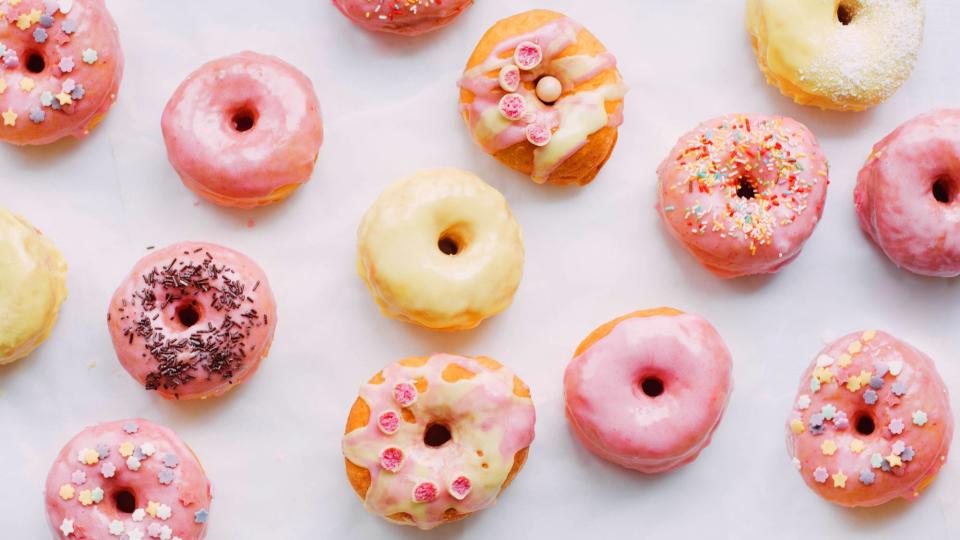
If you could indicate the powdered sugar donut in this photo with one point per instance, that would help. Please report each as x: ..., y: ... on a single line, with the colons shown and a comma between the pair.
x: 871, y: 423
x: 60, y: 68
x: 129, y: 479
x: 193, y: 320
x: 908, y: 194
x: 405, y: 17
x: 744, y: 192
x: 244, y: 130
x: 646, y: 391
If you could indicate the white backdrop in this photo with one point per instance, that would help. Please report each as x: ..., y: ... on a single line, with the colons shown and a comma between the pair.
x: 272, y: 447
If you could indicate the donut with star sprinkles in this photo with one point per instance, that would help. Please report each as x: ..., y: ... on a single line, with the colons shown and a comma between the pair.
x: 60, y: 68
x: 744, y: 192
x: 193, y: 320
x: 404, y: 17
x: 871, y: 422
x: 129, y: 479
x: 433, y: 439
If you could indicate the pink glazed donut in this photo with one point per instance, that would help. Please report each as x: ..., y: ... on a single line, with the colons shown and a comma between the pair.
x: 404, y: 17
x: 130, y: 480
x: 908, y: 194
x: 647, y: 390
x: 744, y: 192
x: 60, y: 68
x: 871, y: 423
x: 244, y: 130
x: 193, y: 320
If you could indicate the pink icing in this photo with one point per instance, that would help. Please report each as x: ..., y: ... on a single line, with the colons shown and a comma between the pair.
x: 82, y: 62
x: 896, y: 200
x: 619, y: 421
x: 875, y: 376
x: 404, y: 17
x: 488, y: 425
x: 243, y: 130
x: 158, y: 342
x: 170, y: 477
x: 735, y: 229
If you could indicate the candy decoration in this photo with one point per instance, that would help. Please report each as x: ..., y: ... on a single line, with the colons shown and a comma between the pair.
x: 528, y: 55
x: 549, y: 89
x: 391, y: 459
x: 460, y: 488
x: 405, y: 394
x: 425, y: 492
x: 389, y: 422
x: 538, y: 135
x: 510, y: 78
x: 513, y: 106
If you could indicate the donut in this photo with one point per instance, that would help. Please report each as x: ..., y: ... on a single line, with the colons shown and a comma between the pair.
x: 543, y: 96
x: 433, y: 439
x: 908, y: 194
x: 440, y: 249
x: 844, y: 55
x: 129, y: 479
x: 244, y: 130
x: 744, y: 192
x: 192, y: 320
x: 33, y: 276
x: 871, y: 422
x: 403, y: 17
x: 647, y: 390
x: 60, y: 68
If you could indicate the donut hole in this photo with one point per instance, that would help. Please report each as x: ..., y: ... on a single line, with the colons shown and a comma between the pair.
x: 436, y: 435
x: 453, y: 241
x: 243, y: 119
x: 35, y: 62
x: 864, y: 424
x: 125, y: 501
x: 652, y: 386
x: 448, y: 245
x: 846, y: 11
x: 943, y: 190
x: 746, y: 188
x: 188, y: 313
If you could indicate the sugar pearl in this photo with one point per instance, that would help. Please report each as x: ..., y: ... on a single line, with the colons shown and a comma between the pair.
x: 549, y: 89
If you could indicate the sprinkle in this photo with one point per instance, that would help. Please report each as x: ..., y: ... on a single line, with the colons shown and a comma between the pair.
x: 66, y: 65
x: 69, y: 26
x: 867, y: 477
x: 64, y: 98
x: 899, y: 389
x: 896, y: 426
x: 66, y: 527
x: 881, y: 369
x: 46, y: 99
x: 898, y: 447
x: 40, y: 35
x: 816, y: 424
x: 108, y: 470
x: 894, y: 460
x: 839, y: 480
x: 10, y: 118
x: 828, y: 447
x: 814, y: 384
x: 796, y: 426
x: 841, y: 421
x: 37, y: 115
x: 65, y: 6
x: 90, y: 56
x: 460, y: 487
x: 870, y: 397
x: 425, y: 492
x: 527, y: 55
x: 391, y: 459
x: 200, y: 516
x: 876, y: 460
x: 133, y: 463
x: 803, y: 402
x: 856, y: 446
x: 908, y: 454
x: 389, y: 422
x: 896, y: 368
x: 103, y: 451
x: 152, y: 508
x: 67, y: 492
x: 116, y: 527
x: 853, y: 383
x: 148, y: 449
x: 844, y: 360
x: 165, y: 477
x: 23, y: 21
x: 46, y: 21
x: 796, y: 463
x: 10, y: 59
x: 405, y: 394
x: 78, y: 93
x: 89, y: 456
x: 171, y: 460
x: 876, y: 382
x: 820, y: 475
x: 154, y: 530
x: 823, y: 374
x: 139, y: 515
x: 136, y: 534
x: 27, y: 84
x: 828, y: 411
x: 97, y: 495
x: 78, y: 477
x: 824, y: 360
x: 126, y: 449
x: 85, y: 497
x: 69, y: 85
x: 855, y: 347
x: 164, y: 512
x: 869, y: 335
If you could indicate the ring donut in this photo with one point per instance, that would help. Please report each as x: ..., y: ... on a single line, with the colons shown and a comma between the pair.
x: 406, y: 18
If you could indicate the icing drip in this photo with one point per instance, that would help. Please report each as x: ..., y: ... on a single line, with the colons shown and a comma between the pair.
x: 571, y: 119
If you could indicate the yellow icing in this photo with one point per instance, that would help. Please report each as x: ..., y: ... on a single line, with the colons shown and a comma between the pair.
x: 32, y: 274
x: 412, y: 279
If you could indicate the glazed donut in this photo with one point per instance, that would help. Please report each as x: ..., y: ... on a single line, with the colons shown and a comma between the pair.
x: 244, y: 130
x: 130, y: 479
x: 908, y: 196
x: 871, y: 423
x: 542, y: 95
x: 647, y: 390
x: 193, y: 320
x: 404, y: 17
x: 33, y: 277
x: 440, y: 249
x: 433, y: 439
x: 60, y: 68
x: 744, y: 192
x: 845, y: 55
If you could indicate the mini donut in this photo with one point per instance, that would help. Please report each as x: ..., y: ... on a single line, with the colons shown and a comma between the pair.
x: 543, y: 96
x: 404, y: 17
x: 647, y: 390
x: 871, y: 422
x: 129, y: 479
x: 440, y: 249
x: 60, y: 68
x: 908, y: 194
x: 33, y: 276
x: 193, y: 320
x: 244, y: 130
x: 844, y: 55
x: 433, y: 439
x: 744, y: 192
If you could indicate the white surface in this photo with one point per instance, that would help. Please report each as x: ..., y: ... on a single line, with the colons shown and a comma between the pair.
x: 272, y: 447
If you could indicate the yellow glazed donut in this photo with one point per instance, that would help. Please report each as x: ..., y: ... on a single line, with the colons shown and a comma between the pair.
x: 845, y: 55
x: 441, y: 249
x: 32, y: 287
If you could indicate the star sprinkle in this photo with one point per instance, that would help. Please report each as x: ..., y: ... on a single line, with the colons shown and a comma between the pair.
x: 200, y: 516
x: 152, y: 508
x: 78, y: 477
x: 170, y: 460
x: 89, y: 456
x: 164, y: 512
x: 27, y: 84
x: 138, y: 515
x: 828, y: 447
x: 66, y: 527
x: 40, y: 35
x: 64, y: 98
x: 876, y: 461
x: 116, y: 527
x: 9, y: 118
x: 896, y: 426
x: 67, y: 492
x: 820, y: 475
x: 66, y: 65
x: 839, y: 480
x: 90, y: 56
x: 856, y: 446
x: 828, y: 411
x: 107, y: 470
x: 844, y: 360
x: 867, y: 477
x: 796, y: 426
x: 894, y: 460
x: 899, y: 389
x: 803, y: 402
x: 870, y: 397
x: 126, y: 449
x: 165, y: 477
